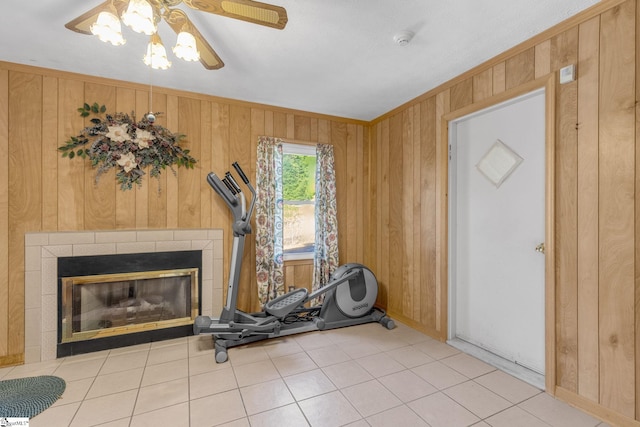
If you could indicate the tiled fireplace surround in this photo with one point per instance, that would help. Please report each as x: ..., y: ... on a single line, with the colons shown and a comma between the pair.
x: 41, y: 272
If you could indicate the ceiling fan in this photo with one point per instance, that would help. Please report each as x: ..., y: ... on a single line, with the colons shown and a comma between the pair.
x: 245, y: 10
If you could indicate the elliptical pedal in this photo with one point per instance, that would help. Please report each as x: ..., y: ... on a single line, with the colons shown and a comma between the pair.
x: 284, y: 304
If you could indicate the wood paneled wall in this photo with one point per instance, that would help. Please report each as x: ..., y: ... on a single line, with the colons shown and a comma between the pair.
x: 41, y: 191
x: 597, y: 201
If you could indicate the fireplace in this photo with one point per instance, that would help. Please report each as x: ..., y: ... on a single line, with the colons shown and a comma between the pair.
x: 94, y: 307
x: 108, y: 301
x: 43, y: 250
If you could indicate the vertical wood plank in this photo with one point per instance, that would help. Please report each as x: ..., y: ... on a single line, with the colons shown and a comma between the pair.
x: 157, y: 194
x: 70, y: 172
x: 313, y: 129
x: 542, y: 59
x: 188, y: 183
x: 4, y: 212
x: 25, y: 190
x: 50, y: 153
x: 204, y: 166
x: 462, y: 94
x: 302, y: 128
x: 396, y: 232
x: 370, y: 161
x: 172, y: 180
x: 564, y: 48
x: 350, y: 236
x: 279, y: 125
x: 442, y: 107
x: 637, y: 218
x: 499, y: 82
x: 125, y: 200
x: 428, y: 211
x: 520, y: 68
x: 268, y: 123
x: 406, y: 191
x: 616, y: 215
x: 339, y: 141
x: 302, y: 275
x: 383, y: 212
x: 220, y: 163
x: 417, y: 182
x: 100, y: 196
x: 483, y: 85
x: 142, y: 192
x: 588, y: 52
x: 289, y: 276
x: 290, y: 127
x: 360, y: 193
x: 324, y: 131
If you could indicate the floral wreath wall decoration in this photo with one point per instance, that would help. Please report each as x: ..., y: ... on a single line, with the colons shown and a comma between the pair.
x: 119, y: 141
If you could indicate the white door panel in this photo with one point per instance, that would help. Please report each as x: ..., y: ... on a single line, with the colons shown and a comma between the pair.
x: 497, y: 277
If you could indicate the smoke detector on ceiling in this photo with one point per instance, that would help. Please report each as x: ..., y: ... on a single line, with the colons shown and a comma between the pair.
x: 403, y: 38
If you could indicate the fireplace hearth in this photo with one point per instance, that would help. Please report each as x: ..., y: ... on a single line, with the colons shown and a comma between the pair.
x: 42, y: 250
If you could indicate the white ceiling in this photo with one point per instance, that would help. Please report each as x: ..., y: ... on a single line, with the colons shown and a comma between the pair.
x: 335, y: 57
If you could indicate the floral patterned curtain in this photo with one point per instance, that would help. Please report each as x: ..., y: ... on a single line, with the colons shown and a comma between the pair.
x: 326, y: 242
x: 269, y: 217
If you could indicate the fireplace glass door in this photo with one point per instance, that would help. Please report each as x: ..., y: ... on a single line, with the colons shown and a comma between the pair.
x: 111, y: 304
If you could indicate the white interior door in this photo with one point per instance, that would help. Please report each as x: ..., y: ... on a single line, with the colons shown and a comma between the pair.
x: 496, y: 274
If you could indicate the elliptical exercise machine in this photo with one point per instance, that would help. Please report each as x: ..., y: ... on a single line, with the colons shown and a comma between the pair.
x: 349, y: 296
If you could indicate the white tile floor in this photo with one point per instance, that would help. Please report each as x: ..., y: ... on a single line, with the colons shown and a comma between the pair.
x: 358, y: 376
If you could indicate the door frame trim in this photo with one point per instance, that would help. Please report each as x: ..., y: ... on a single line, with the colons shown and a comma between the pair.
x: 549, y: 85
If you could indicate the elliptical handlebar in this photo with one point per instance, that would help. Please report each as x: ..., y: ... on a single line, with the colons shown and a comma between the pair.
x: 231, y: 192
x: 232, y: 182
x: 241, y: 173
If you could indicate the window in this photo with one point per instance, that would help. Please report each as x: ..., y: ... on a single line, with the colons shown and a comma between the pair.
x: 279, y: 239
x: 298, y: 193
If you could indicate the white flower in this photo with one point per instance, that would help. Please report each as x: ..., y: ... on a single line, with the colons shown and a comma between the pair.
x: 118, y: 133
x: 127, y: 161
x: 143, y: 138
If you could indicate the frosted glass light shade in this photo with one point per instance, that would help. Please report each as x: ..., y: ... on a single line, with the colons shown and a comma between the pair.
x: 108, y: 29
x: 186, y: 47
x: 140, y: 17
x: 156, y: 56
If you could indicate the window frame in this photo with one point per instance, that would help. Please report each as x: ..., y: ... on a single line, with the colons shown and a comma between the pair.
x: 304, y: 150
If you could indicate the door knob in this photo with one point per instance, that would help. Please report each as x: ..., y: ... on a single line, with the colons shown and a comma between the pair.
x: 540, y: 248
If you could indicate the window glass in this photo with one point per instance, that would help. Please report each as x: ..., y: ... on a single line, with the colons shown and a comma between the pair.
x: 299, y: 192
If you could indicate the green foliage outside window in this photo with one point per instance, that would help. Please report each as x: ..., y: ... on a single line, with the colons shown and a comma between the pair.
x: 298, y: 173
x: 299, y: 190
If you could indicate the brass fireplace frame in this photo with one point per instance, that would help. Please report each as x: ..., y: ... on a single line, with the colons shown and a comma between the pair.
x: 68, y: 283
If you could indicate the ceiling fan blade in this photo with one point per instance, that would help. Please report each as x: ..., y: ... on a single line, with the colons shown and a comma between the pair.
x: 82, y: 24
x: 208, y: 57
x: 246, y: 10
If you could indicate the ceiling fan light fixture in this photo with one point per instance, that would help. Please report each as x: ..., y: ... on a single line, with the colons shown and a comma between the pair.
x: 186, y: 47
x: 156, y: 56
x: 140, y: 17
x: 108, y: 29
